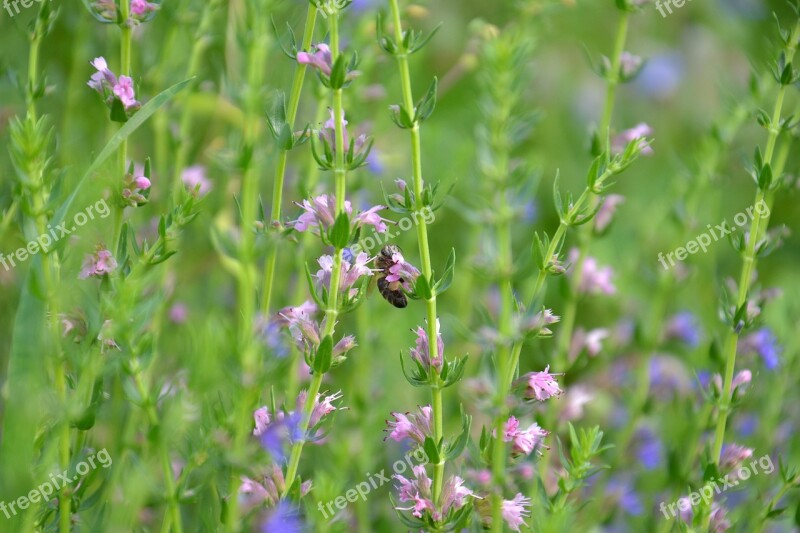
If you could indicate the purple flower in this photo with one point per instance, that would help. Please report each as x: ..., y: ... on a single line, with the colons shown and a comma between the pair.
x: 283, y: 519
x: 623, y: 492
x: 321, y: 58
x: 650, y: 451
x: 764, y: 343
x: 515, y: 511
x: 98, y: 264
x: 541, y: 385
x: 421, y: 353
x: 178, y: 313
x: 636, y: 133
x: 269, y: 332
x: 411, y: 426
x: 684, y: 327
x: 194, y: 178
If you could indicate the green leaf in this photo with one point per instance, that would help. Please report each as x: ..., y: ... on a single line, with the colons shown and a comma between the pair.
x: 422, y: 288
x: 428, y: 103
x: 110, y: 148
x: 118, y: 113
x: 447, y: 278
x: 27, y: 383
x: 324, y: 355
x: 339, y: 235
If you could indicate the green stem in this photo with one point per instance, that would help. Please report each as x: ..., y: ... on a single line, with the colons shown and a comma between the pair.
x: 50, y: 282
x: 749, y: 261
x: 332, y: 309
x: 201, y: 42
x: 173, y: 518
x: 246, y: 282
x: 424, y: 248
x: 122, y: 154
x: 280, y: 172
x: 584, y: 233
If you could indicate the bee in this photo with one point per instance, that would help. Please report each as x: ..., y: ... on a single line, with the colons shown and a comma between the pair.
x: 391, y: 291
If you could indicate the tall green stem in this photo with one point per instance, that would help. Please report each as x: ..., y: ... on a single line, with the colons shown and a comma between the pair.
x: 749, y: 261
x: 246, y: 279
x: 201, y: 43
x: 424, y: 249
x: 332, y: 309
x: 280, y: 171
x: 584, y: 233
x: 50, y: 280
x: 122, y: 154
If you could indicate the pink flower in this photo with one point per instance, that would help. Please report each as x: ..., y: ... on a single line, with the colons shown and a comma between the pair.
x: 323, y: 406
x: 141, y: 7
x: 262, y: 420
x: 740, y: 380
x: 320, y: 59
x: 194, y: 178
x: 732, y: 456
x: 606, y: 212
x: 142, y: 183
x: 638, y: 132
x: 123, y: 89
x: 594, y: 279
x: 411, y: 426
x: 351, y: 273
x: 515, y: 511
x: 98, y: 264
x: 541, y: 385
x: 454, y: 494
x: 421, y: 353
x: 590, y: 340
x: 370, y: 217
x: 402, y: 271
x: 178, y: 313
x: 525, y: 441
x: 103, y: 77
x: 319, y: 212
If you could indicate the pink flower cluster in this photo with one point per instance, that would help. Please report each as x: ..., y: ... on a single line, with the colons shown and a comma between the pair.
x: 110, y: 87
x: 525, y: 441
x: 421, y: 353
x: 415, y: 426
x: 418, y: 491
x: 320, y: 214
x: 98, y: 264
